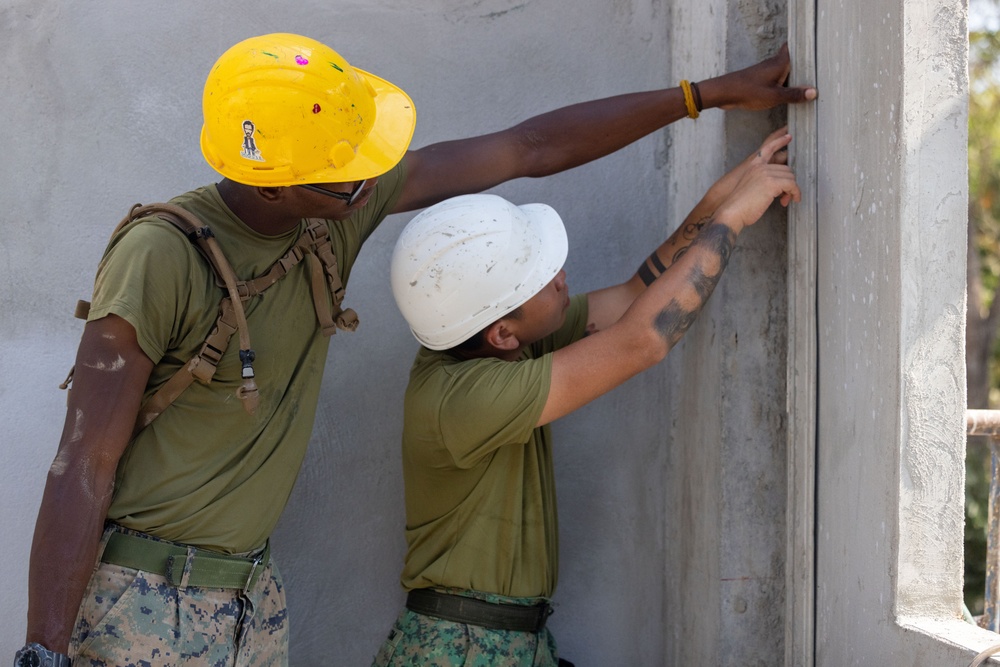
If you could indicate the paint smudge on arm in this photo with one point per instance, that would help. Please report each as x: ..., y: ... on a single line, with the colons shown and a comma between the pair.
x: 77, y: 434
x: 61, y: 463
x: 113, y: 367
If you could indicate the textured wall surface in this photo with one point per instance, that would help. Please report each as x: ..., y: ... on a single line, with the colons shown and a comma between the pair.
x: 101, y: 109
x: 672, y: 489
x: 726, y: 453
x: 891, y: 298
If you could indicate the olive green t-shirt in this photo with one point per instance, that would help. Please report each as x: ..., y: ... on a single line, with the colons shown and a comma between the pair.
x: 205, y: 472
x: 480, y: 489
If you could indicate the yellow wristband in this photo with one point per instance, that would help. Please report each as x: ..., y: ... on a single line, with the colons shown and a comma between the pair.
x: 692, y: 109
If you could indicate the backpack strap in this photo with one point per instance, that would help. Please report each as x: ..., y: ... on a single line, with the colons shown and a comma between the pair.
x: 326, y: 267
x: 232, y: 318
x: 315, y: 247
x: 327, y: 290
x: 200, y: 367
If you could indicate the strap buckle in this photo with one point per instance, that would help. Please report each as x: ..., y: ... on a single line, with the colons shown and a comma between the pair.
x: 250, y: 578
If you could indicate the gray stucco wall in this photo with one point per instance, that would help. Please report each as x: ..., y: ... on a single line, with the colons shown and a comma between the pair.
x: 892, y: 196
x: 725, y: 480
x: 672, y: 489
x: 101, y: 109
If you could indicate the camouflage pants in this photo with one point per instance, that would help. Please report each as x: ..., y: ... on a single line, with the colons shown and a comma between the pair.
x: 418, y: 640
x: 133, y: 618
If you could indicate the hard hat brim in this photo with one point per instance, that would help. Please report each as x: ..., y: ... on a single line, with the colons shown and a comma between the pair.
x: 389, y: 139
x: 554, y: 244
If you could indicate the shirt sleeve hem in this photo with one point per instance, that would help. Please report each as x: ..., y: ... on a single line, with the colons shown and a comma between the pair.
x: 149, y: 348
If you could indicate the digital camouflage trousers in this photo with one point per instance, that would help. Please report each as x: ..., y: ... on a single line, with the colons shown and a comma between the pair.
x: 133, y: 618
x: 417, y: 640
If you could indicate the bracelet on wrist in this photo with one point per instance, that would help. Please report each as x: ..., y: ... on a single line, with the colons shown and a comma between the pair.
x: 689, y: 99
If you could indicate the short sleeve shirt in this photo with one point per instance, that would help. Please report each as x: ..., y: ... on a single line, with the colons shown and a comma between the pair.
x: 480, y: 489
x: 205, y: 472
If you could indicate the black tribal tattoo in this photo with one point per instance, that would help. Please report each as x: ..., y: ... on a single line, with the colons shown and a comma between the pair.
x: 673, y: 321
x: 653, y: 267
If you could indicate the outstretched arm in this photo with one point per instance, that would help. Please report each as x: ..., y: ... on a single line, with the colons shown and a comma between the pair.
x: 664, y: 311
x: 111, y: 374
x: 606, y: 306
x: 574, y: 135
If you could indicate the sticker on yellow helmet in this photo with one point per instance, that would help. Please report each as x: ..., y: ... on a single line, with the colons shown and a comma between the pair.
x: 250, y: 150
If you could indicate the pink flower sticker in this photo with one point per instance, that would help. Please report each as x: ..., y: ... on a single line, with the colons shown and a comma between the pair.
x: 301, y: 61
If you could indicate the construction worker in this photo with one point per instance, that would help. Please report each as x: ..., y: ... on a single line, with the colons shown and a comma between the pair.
x: 172, y: 484
x: 480, y: 282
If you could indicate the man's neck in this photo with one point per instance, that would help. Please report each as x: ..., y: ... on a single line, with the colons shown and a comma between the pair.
x: 262, y: 214
x: 487, y: 352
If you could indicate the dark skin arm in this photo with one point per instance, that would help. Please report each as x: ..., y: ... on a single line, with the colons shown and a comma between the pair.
x: 110, y: 376
x: 577, y: 134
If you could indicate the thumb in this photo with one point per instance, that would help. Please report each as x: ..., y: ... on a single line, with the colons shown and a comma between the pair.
x: 797, y: 94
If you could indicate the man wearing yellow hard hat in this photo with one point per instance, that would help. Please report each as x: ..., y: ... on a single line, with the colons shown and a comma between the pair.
x: 198, y: 374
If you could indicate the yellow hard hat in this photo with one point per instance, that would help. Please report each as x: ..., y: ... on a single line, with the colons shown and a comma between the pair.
x: 284, y: 109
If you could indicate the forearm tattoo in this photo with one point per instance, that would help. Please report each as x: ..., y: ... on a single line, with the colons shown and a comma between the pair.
x: 692, y: 229
x: 720, y: 240
x: 673, y: 321
x: 653, y: 267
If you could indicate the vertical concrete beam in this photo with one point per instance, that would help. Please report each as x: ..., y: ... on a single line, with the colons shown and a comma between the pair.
x: 727, y: 488
x: 696, y: 158
x: 934, y: 132
x: 892, y: 193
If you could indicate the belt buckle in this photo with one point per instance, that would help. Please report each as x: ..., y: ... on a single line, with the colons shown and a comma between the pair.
x: 253, y: 568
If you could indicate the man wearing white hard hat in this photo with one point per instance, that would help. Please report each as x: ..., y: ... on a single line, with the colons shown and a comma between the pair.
x: 506, y: 351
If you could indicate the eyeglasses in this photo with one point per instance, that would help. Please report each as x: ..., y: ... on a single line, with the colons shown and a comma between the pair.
x: 349, y: 197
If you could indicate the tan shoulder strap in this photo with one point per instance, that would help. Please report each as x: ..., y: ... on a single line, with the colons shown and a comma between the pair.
x: 200, y: 367
x: 327, y: 289
x: 330, y: 320
x: 203, y: 238
x: 314, y: 246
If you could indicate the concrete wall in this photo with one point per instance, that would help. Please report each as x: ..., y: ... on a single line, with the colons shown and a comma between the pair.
x: 101, y: 109
x: 726, y: 480
x: 673, y: 488
x: 891, y: 243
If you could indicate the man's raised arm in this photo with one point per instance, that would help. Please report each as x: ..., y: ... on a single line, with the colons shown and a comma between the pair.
x: 574, y: 135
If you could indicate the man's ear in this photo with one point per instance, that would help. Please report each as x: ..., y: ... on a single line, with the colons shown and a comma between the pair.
x: 271, y: 194
x: 501, y: 336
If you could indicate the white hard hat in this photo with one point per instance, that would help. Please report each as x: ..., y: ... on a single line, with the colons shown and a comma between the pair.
x: 464, y: 263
